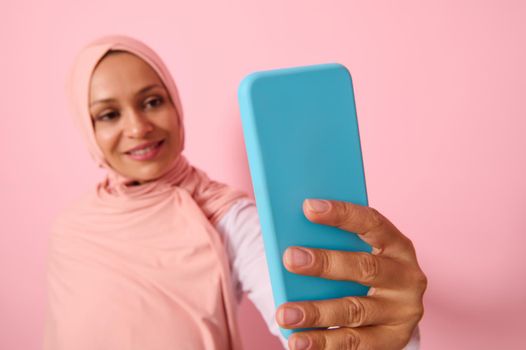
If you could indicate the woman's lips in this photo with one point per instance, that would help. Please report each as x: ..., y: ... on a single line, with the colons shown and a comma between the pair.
x: 146, y: 153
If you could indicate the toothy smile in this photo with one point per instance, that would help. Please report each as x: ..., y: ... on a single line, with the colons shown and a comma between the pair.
x: 145, y: 151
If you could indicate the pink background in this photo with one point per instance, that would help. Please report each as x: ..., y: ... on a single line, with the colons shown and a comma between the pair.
x: 440, y: 89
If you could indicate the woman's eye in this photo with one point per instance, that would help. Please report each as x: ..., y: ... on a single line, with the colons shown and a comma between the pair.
x: 107, y: 116
x: 153, y: 102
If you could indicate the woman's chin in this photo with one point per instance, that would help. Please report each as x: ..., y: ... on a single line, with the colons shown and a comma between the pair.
x: 147, y: 172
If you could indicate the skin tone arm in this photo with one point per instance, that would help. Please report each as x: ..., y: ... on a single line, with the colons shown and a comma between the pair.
x: 386, y: 318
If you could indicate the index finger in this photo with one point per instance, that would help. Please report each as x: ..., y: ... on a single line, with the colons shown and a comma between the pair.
x: 368, y: 223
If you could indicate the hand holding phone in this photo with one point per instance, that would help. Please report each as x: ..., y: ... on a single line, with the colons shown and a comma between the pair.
x: 302, y: 141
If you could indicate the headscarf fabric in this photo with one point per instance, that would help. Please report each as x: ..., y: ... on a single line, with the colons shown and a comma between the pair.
x: 139, y: 267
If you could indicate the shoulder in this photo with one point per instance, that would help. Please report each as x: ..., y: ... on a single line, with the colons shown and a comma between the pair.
x: 241, y: 205
x: 73, y: 210
x: 241, y: 213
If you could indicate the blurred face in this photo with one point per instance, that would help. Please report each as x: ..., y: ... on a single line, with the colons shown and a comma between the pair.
x: 134, y: 120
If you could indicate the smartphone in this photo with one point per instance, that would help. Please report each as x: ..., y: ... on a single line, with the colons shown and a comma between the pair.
x: 302, y: 141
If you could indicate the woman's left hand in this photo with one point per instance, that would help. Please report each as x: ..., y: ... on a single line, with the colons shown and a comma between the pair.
x: 387, y: 316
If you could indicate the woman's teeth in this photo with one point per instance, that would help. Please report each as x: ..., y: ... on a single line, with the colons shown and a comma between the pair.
x: 144, y: 150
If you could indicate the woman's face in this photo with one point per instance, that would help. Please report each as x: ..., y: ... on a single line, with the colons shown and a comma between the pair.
x: 134, y: 120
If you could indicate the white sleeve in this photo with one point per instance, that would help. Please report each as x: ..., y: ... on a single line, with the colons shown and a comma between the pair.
x: 241, y: 233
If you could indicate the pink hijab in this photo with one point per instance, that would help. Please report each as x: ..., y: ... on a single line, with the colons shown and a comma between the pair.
x: 139, y: 267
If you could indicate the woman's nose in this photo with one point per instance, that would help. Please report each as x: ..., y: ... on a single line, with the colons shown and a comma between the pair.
x: 137, y: 125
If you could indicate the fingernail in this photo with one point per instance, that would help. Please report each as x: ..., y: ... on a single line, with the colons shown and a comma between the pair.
x: 297, y: 257
x: 318, y: 205
x: 291, y: 315
x: 301, y: 342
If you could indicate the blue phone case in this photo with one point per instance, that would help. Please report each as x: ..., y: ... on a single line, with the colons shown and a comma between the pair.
x: 302, y: 141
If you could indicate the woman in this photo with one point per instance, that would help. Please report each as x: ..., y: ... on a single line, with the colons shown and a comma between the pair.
x: 156, y: 256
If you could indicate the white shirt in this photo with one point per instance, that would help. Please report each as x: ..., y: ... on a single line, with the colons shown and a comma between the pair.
x: 241, y: 232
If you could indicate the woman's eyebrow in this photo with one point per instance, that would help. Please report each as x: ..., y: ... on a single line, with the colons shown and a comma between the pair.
x: 101, y: 101
x: 141, y: 91
x: 147, y: 88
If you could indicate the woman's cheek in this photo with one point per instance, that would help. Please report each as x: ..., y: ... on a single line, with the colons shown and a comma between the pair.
x: 170, y: 125
x: 107, y: 140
